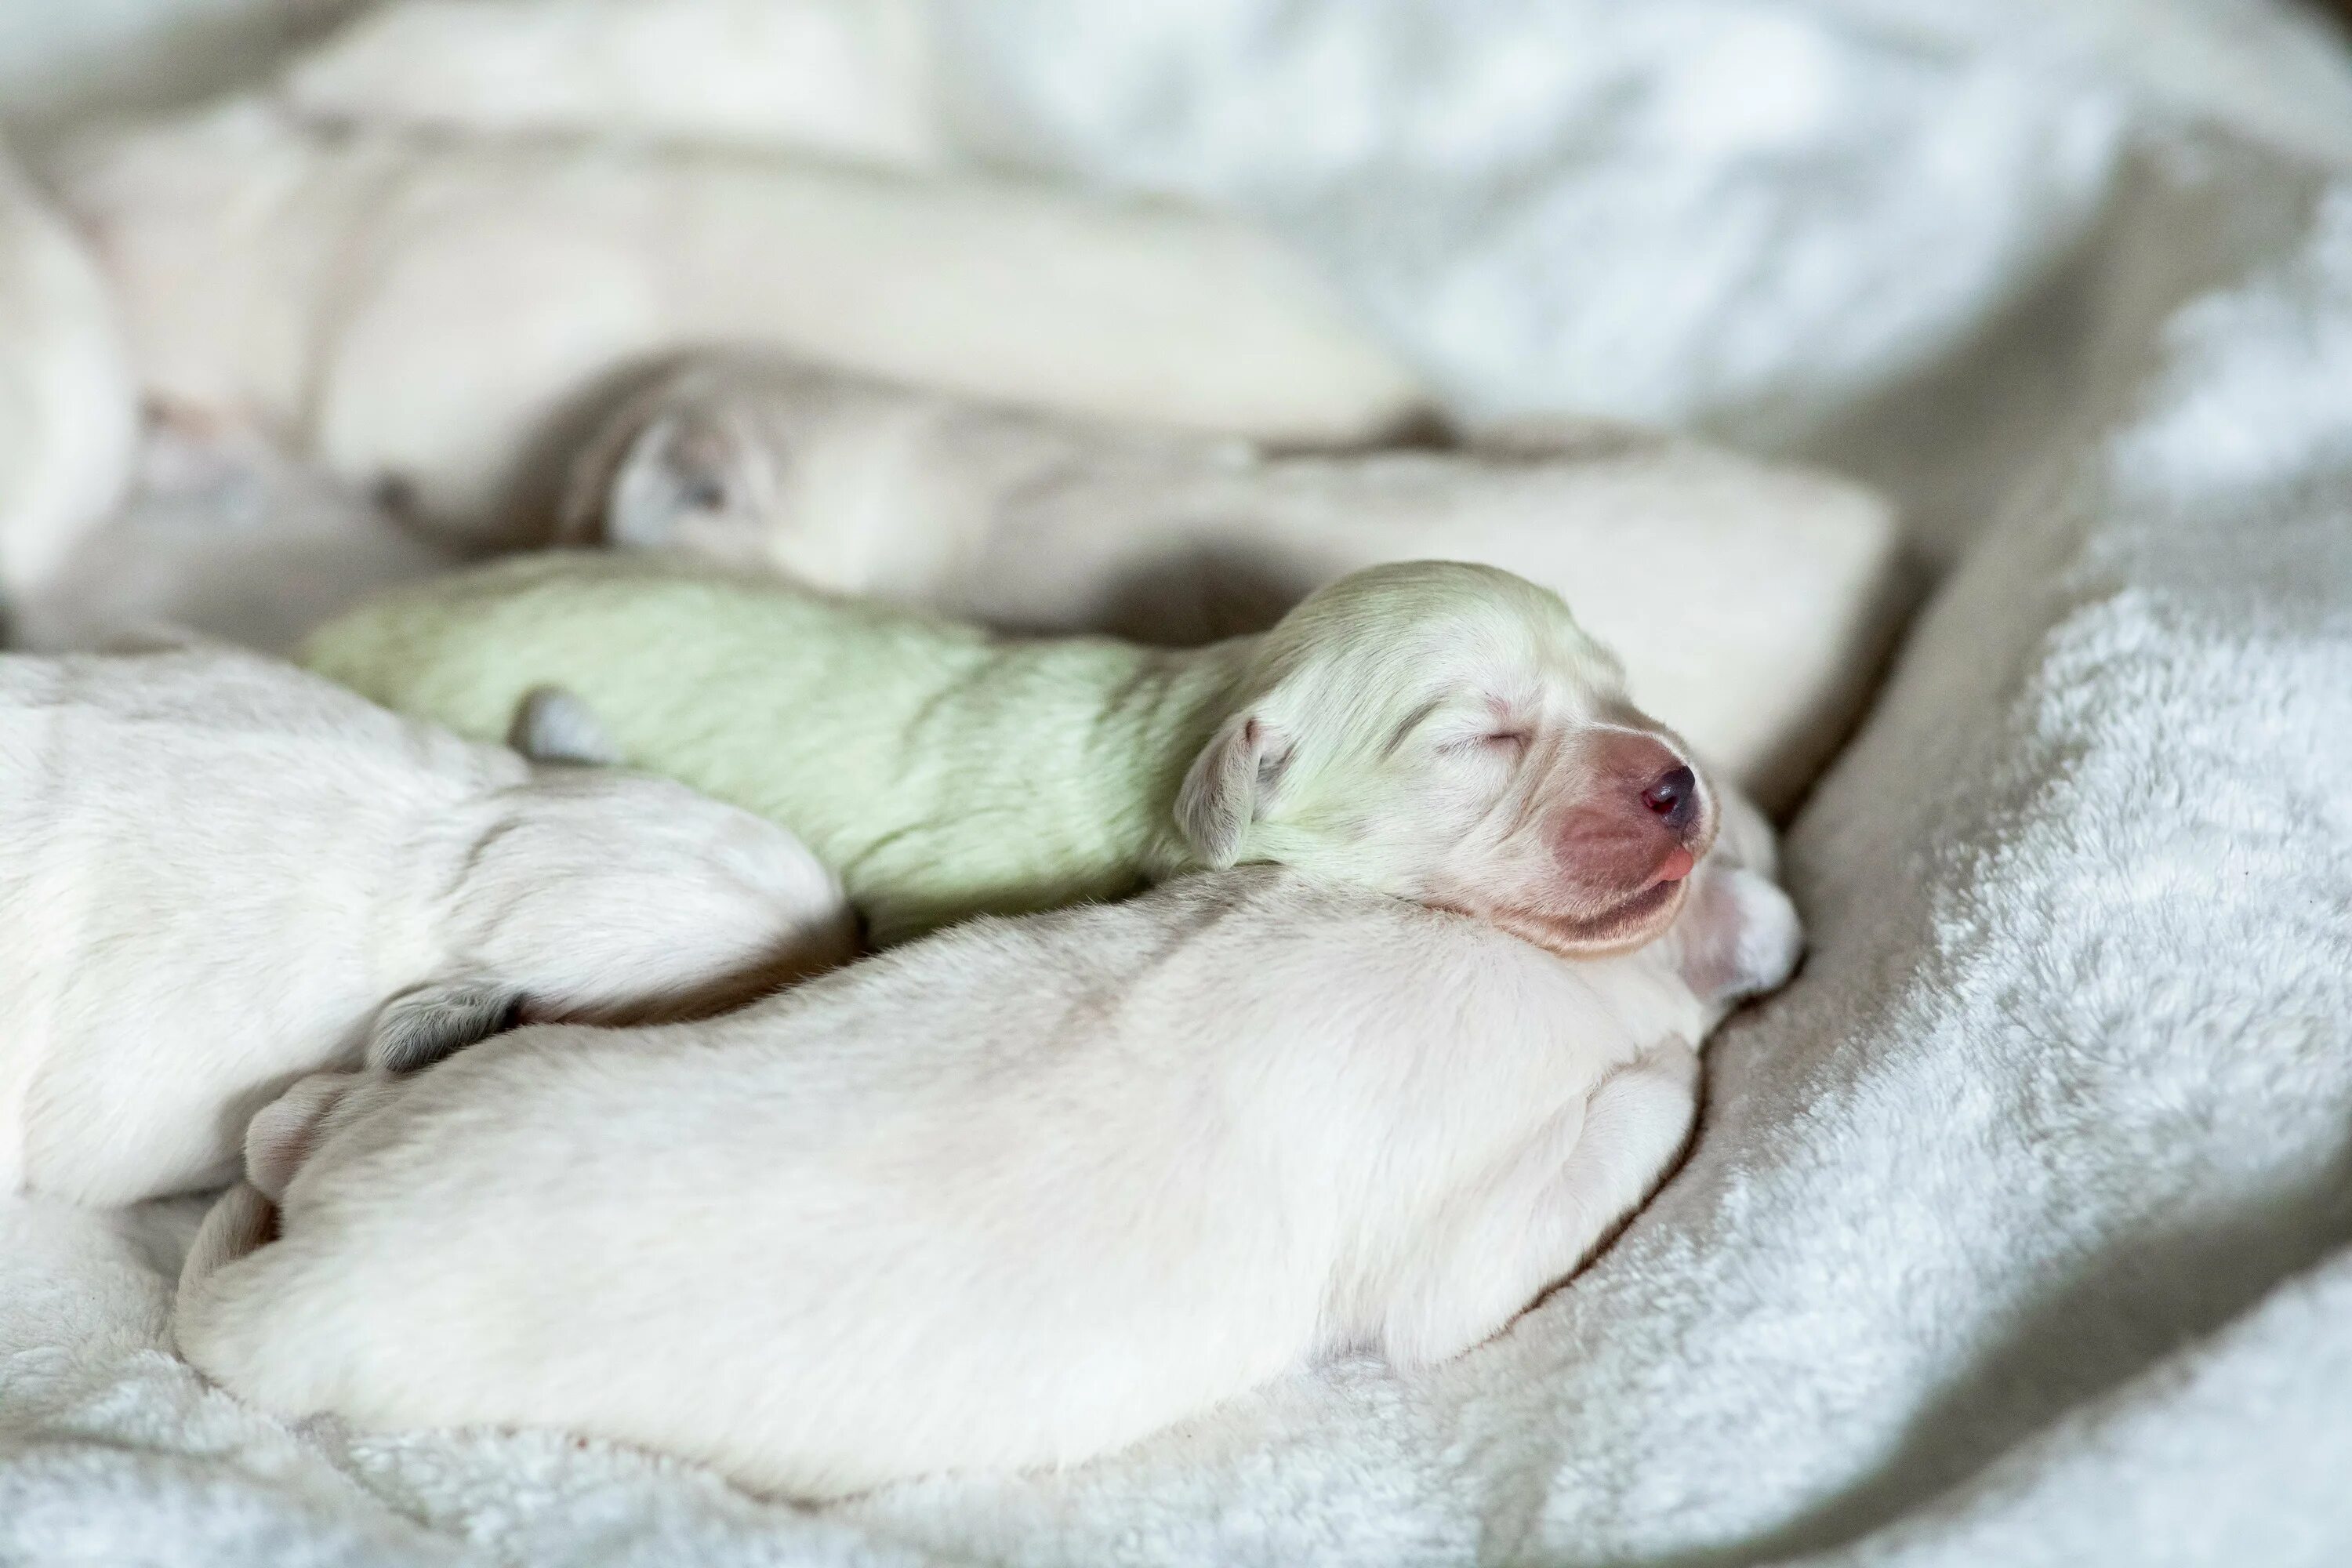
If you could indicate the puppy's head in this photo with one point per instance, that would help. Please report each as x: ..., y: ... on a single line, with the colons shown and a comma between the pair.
x: 1448, y: 733
x: 757, y: 463
x: 601, y: 895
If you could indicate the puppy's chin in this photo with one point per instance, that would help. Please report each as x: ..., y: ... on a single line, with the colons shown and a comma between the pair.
x: 1634, y: 920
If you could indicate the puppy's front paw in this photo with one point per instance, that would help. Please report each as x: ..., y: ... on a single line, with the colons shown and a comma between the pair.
x: 552, y: 725
x: 1740, y: 936
x: 420, y: 1026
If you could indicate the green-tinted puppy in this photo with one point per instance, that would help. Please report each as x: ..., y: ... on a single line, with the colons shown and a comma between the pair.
x: 1439, y: 732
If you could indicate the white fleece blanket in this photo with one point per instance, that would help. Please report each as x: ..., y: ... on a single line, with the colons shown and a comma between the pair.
x: 2018, y: 1229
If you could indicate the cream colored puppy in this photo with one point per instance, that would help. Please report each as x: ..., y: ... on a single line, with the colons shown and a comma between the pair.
x: 224, y: 536
x: 68, y: 406
x: 1750, y: 601
x: 224, y: 873
x: 423, y: 313
x: 847, y: 78
x: 1014, y: 1196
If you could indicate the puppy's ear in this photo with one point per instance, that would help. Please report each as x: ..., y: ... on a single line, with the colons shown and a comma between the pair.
x: 551, y: 725
x: 420, y: 1026
x: 1231, y: 785
x: 681, y: 466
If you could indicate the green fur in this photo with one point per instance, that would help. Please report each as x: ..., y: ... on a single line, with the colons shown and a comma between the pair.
x: 940, y: 771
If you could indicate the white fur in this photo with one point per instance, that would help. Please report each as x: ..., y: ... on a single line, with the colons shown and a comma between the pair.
x: 1750, y: 601
x: 221, y: 869
x: 1013, y: 1197
x: 68, y: 409
x: 226, y: 536
x: 427, y: 312
x: 846, y: 77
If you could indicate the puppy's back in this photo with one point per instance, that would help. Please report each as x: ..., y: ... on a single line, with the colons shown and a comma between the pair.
x: 223, y: 869
x: 942, y: 772
x: 182, y: 824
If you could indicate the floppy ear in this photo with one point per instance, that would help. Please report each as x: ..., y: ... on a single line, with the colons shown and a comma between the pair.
x: 420, y: 1026
x: 678, y: 466
x: 551, y: 725
x: 1230, y: 785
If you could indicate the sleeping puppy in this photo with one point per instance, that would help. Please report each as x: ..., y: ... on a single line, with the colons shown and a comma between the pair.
x: 224, y: 873
x: 1014, y: 1196
x: 68, y: 406
x: 850, y: 80
x: 424, y: 313
x: 226, y: 537
x: 1439, y: 731
x: 1749, y: 601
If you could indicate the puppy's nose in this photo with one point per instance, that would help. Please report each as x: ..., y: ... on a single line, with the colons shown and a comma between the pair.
x: 1672, y: 796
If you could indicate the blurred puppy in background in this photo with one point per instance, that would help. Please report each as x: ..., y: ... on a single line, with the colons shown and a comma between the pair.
x: 224, y: 873
x: 1013, y: 1197
x: 225, y: 535
x: 1748, y: 600
x: 422, y: 312
x: 68, y: 406
x: 1442, y: 732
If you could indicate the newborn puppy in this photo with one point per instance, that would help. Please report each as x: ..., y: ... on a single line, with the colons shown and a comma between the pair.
x: 226, y: 537
x: 224, y: 873
x: 1013, y: 1197
x: 1439, y: 731
x: 423, y: 313
x: 843, y: 79
x: 67, y: 407
x: 1749, y: 601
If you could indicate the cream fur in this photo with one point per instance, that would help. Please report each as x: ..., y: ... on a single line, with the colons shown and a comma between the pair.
x: 1014, y: 1196
x: 427, y: 312
x: 1751, y: 602
x: 68, y: 406
x: 223, y: 535
x: 849, y: 79
x: 224, y: 873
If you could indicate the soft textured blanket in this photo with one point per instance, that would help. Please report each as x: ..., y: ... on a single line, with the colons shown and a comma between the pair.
x: 2020, y: 1229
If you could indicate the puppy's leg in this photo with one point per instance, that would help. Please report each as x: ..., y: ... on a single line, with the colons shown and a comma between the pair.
x: 211, y: 1322
x: 551, y: 725
x: 287, y: 1131
x: 240, y: 1223
x: 420, y: 1026
x: 1549, y: 1211
x: 279, y: 1139
x: 1739, y: 936
x: 283, y: 1133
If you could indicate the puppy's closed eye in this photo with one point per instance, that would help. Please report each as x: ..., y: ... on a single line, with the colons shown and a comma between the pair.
x: 1490, y: 745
